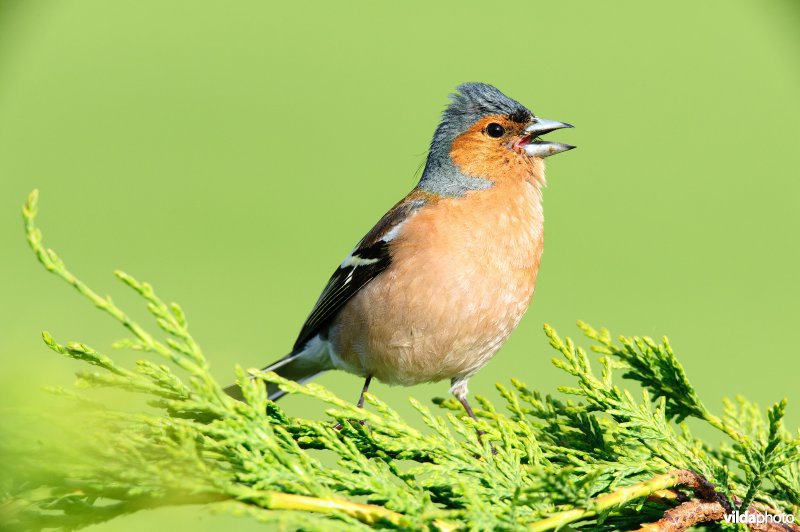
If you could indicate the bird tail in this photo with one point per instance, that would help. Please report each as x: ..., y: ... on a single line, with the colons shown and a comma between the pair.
x: 299, y: 366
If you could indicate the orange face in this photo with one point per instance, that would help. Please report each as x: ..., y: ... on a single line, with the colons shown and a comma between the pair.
x: 494, y: 148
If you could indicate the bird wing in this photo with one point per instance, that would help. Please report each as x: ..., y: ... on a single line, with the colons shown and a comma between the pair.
x: 370, y: 257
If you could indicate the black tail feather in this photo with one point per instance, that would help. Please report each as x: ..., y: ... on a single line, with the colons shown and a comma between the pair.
x: 293, y: 366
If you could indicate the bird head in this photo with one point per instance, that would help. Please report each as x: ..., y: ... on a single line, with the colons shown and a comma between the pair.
x: 484, y: 137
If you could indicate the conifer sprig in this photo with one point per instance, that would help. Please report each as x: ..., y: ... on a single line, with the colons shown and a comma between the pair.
x: 604, y: 458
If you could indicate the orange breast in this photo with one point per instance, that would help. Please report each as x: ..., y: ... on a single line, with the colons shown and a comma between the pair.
x: 462, y: 275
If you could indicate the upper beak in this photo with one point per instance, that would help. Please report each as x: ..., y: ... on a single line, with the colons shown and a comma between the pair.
x: 535, y: 147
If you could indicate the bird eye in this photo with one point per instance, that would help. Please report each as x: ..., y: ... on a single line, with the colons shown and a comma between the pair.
x: 495, y: 130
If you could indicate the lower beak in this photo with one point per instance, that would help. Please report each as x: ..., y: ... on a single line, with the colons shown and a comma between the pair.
x: 536, y: 147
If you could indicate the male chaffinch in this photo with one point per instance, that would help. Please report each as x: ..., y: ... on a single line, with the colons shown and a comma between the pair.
x: 437, y: 286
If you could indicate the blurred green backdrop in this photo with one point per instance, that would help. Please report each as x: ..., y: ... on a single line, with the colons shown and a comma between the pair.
x: 231, y: 153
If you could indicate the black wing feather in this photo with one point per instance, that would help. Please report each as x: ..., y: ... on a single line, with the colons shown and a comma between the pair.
x: 343, y: 284
x: 346, y: 281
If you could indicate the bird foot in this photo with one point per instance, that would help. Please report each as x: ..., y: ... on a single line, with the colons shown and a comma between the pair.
x: 363, y: 422
x: 481, y: 433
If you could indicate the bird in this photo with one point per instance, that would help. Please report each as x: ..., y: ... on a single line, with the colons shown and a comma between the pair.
x: 436, y: 287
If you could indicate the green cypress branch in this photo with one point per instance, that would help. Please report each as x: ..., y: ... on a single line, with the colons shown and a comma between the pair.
x: 602, y: 459
x: 626, y: 494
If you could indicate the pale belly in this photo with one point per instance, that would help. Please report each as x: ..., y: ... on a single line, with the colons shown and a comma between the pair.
x: 456, y: 289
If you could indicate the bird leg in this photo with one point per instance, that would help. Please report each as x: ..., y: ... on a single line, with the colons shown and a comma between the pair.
x: 364, y: 390
x: 459, y: 389
x: 465, y: 404
x: 360, y: 403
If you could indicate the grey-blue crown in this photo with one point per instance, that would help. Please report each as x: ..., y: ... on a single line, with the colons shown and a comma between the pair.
x: 471, y: 102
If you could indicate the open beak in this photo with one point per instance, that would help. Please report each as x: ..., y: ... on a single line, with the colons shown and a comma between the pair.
x: 534, y: 146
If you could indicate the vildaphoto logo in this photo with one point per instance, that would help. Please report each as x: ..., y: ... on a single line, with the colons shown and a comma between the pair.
x: 758, y: 518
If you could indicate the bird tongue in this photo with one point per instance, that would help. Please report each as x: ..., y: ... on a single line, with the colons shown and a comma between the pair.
x: 524, y: 141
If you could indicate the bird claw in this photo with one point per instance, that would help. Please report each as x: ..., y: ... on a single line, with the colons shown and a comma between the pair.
x: 362, y: 422
x: 481, y: 433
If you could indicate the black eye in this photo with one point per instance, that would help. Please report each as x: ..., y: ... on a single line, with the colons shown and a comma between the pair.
x: 495, y: 130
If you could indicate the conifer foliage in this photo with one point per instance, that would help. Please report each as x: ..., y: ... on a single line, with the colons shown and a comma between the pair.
x: 617, y: 455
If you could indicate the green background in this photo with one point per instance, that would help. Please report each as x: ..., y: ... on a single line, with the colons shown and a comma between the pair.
x: 231, y: 153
